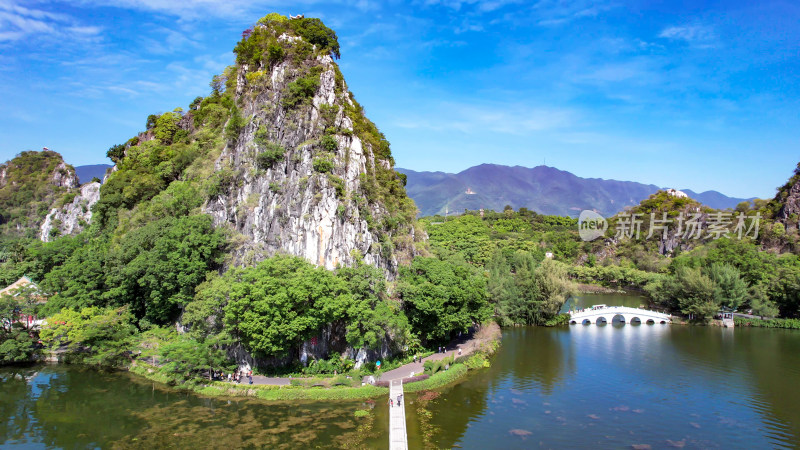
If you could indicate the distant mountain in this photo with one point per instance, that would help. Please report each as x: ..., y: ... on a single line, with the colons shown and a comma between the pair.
x: 543, y: 189
x: 86, y: 173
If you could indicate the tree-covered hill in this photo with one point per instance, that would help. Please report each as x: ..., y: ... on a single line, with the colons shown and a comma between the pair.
x: 30, y: 184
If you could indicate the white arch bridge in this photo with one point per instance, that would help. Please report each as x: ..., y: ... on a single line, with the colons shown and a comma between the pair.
x: 600, y: 314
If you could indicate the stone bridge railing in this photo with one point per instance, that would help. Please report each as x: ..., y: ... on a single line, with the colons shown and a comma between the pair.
x: 624, y: 314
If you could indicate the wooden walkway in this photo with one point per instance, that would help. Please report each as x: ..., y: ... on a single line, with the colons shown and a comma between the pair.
x: 397, y: 418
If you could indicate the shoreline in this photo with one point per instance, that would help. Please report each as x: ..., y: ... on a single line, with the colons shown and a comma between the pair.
x: 486, y: 343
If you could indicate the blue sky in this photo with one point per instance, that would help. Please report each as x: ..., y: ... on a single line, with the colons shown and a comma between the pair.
x: 700, y: 95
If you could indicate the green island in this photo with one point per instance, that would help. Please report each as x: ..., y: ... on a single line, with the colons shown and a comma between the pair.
x: 264, y: 232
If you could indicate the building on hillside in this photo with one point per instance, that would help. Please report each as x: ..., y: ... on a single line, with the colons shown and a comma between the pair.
x: 15, y: 290
x: 677, y: 193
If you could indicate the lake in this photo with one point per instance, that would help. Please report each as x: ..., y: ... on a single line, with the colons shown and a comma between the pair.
x: 612, y: 386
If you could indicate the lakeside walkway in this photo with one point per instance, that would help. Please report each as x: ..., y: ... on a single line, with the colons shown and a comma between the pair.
x: 468, y: 344
x: 398, y: 439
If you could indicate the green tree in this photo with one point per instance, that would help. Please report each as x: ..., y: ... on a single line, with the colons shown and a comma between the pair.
x: 442, y: 298
x: 370, y: 318
x: 541, y: 290
x: 729, y: 289
x: 98, y: 336
x: 116, y: 153
x: 16, y: 346
x: 283, y: 301
x: 166, y: 126
x: 189, y: 357
x: 157, y: 267
x: 693, y: 292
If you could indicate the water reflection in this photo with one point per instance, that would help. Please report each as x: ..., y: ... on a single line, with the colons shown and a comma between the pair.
x: 70, y: 407
x: 619, y: 386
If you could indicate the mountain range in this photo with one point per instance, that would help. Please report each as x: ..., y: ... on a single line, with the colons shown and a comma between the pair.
x: 87, y: 173
x: 543, y: 189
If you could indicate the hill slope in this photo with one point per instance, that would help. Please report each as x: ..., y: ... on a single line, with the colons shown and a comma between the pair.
x: 29, y: 185
x: 546, y: 190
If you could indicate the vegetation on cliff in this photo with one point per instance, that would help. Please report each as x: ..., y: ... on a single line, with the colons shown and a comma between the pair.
x: 162, y: 251
x: 31, y: 184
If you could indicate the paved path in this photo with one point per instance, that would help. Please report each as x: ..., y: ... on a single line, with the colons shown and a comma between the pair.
x: 398, y: 440
x: 467, y: 346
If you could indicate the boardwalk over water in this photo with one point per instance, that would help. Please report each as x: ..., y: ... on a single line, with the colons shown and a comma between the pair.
x: 397, y: 418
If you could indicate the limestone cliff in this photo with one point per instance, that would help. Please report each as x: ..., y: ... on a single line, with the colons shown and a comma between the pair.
x: 308, y: 174
x: 30, y: 184
x: 73, y: 216
x: 788, y: 200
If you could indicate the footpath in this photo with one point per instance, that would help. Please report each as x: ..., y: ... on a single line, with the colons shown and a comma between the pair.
x: 467, y: 343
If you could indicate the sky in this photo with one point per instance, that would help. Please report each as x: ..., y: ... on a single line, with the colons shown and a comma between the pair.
x: 696, y: 94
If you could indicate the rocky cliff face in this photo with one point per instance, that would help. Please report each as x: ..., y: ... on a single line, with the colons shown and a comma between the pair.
x: 789, y: 199
x: 72, y: 217
x: 309, y: 174
x: 29, y: 184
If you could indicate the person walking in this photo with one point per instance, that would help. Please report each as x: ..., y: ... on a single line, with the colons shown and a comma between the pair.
x: 399, y: 397
x: 391, y: 403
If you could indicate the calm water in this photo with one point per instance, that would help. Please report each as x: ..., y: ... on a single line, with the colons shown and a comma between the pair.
x: 666, y: 386
x: 70, y: 407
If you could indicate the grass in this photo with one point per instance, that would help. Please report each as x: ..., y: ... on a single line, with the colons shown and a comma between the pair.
x: 262, y: 391
x: 439, y: 379
x: 767, y: 323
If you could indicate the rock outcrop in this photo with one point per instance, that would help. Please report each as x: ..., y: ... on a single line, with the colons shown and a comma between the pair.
x: 29, y: 184
x: 72, y: 217
x: 789, y: 200
x: 307, y: 172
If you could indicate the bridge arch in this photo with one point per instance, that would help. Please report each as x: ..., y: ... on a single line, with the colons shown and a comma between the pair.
x: 586, y: 322
x: 618, y: 318
x: 651, y: 322
x: 635, y: 321
x: 601, y: 320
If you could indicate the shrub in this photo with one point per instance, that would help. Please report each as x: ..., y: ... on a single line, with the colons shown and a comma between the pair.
x: 361, y: 413
x: 337, y: 184
x: 271, y: 155
x: 322, y: 165
x: 328, y: 143
x: 301, y: 89
x: 116, y: 153
x: 315, y: 32
x: 275, y: 54
x: 235, y: 125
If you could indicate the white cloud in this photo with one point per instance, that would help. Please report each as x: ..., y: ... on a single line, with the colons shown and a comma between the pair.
x: 556, y: 12
x: 480, y: 5
x: 699, y: 35
x: 19, y: 22
x: 191, y: 10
